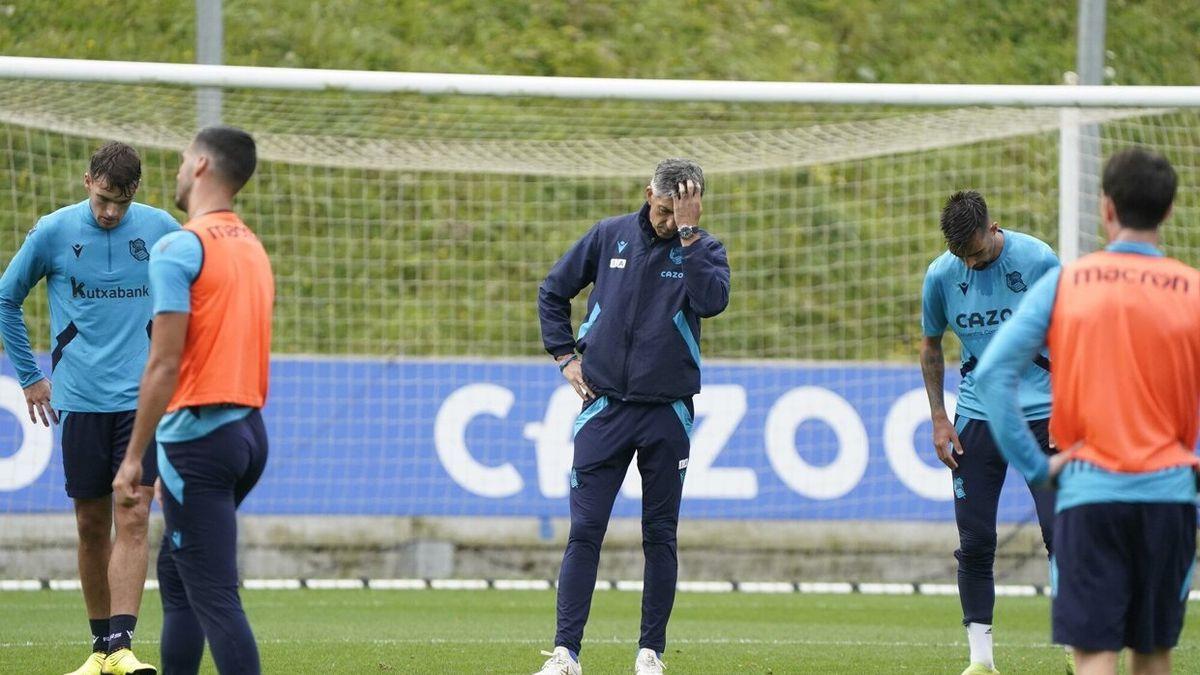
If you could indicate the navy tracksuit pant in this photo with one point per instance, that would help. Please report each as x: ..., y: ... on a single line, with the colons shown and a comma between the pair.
x: 977, y: 483
x: 204, y: 482
x: 608, y: 433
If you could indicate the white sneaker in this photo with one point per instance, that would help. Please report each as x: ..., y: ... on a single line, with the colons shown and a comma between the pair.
x: 561, y: 663
x: 648, y: 663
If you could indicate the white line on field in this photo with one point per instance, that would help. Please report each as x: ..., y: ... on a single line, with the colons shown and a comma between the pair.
x: 602, y: 640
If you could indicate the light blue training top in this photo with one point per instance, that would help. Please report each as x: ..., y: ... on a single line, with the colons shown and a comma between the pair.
x: 100, y: 305
x: 975, y: 303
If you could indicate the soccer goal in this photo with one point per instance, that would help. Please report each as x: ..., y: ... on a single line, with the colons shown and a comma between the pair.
x: 410, y: 218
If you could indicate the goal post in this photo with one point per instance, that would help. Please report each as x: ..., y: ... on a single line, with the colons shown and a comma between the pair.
x: 411, y: 216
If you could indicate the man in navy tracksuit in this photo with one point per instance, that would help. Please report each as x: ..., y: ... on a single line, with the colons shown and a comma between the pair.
x: 636, y: 365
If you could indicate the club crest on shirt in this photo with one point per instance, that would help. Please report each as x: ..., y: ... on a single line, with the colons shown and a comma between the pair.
x: 137, y: 249
x: 677, y: 255
x: 1015, y: 283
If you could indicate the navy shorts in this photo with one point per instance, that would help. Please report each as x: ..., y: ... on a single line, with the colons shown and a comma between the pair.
x: 1121, y: 575
x: 93, y: 446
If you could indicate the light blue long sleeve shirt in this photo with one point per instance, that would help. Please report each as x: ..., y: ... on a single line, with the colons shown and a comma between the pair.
x: 97, y: 281
x: 997, y: 378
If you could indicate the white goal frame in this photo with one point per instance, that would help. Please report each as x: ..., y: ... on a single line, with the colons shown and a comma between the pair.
x: 1069, y: 98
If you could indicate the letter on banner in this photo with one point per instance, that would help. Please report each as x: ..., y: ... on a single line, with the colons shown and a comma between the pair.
x: 450, y: 437
x: 719, y: 410
x: 816, y: 403
x: 23, y: 467
x: 907, y: 413
x: 553, y: 444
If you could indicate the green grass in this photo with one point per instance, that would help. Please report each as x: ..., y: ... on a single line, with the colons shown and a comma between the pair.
x: 501, y: 632
x: 1018, y: 41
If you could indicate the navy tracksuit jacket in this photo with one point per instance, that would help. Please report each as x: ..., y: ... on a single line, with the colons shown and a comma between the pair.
x: 640, y: 346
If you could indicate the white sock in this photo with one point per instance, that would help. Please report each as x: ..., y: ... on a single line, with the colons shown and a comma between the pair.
x: 979, y: 635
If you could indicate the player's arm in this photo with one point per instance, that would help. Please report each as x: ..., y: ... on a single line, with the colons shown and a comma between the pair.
x: 174, y: 264
x: 570, y: 275
x: 705, y: 264
x: 157, y: 387
x: 933, y: 371
x: 27, y: 268
x: 998, y: 377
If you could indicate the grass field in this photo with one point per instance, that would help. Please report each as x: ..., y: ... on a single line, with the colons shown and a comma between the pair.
x: 502, y: 632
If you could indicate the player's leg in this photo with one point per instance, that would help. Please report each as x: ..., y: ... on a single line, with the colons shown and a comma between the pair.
x: 1092, y: 583
x: 1157, y: 662
x: 85, y: 465
x: 663, y: 449
x: 1166, y: 552
x: 182, y: 635
x: 256, y: 432
x: 130, y: 552
x: 199, y: 480
x: 977, y: 483
x: 603, y: 451
x: 1095, y: 663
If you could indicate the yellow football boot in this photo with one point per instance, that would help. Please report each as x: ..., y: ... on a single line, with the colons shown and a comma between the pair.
x: 93, y: 666
x: 123, y: 662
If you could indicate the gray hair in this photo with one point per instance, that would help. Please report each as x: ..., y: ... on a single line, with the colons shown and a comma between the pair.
x: 671, y: 172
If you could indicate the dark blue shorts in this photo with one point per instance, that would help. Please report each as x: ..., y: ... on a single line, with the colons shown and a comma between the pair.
x: 1121, y: 575
x: 93, y: 446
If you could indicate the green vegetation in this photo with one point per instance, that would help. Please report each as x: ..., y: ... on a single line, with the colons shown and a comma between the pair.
x: 827, y: 259
x: 1013, y: 41
x: 502, y: 632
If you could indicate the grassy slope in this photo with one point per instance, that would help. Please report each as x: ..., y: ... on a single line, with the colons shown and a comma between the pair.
x: 827, y: 261
x: 1018, y: 41
x: 501, y: 632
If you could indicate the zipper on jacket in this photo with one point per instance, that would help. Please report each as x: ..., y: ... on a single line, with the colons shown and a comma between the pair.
x: 633, y: 317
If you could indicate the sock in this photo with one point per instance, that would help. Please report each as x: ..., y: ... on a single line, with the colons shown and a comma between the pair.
x: 979, y: 635
x: 99, y: 634
x: 574, y: 655
x: 120, y: 632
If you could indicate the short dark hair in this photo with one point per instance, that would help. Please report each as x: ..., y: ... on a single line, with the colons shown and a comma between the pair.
x: 1141, y: 185
x: 964, y: 216
x: 232, y: 152
x: 118, y: 166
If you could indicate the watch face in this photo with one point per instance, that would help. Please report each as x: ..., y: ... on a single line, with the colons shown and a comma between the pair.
x: 687, y: 232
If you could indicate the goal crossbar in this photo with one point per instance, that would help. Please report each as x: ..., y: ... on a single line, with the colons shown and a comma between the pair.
x: 300, y: 79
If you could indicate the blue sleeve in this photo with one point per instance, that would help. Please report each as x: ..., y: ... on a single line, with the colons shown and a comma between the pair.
x: 999, y: 373
x: 706, y: 275
x: 571, y: 274
x: 174, y: 264
x: 170, y: 224
x: 1051, y: 261
x: 27, y: 268
x: 933, y: 306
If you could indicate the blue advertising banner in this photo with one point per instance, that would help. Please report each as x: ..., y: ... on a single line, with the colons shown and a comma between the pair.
x: 493, y: 438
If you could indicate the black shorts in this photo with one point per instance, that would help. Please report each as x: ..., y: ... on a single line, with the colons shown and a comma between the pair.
x: 1121, y: 573
x: 93, y: 446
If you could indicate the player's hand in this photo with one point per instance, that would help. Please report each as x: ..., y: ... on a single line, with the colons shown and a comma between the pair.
x: 945, y: 441
x: 573, y: 373
x: 687, y: 208
x: 37, y: 397
x: 1058, y: 461
x: 127, y: 483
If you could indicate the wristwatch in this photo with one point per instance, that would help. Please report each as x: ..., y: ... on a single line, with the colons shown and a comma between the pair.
x: 687, y: 232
